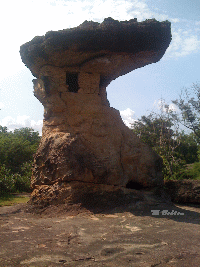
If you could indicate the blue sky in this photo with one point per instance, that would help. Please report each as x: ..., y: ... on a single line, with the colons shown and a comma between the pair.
x: 134, y: 94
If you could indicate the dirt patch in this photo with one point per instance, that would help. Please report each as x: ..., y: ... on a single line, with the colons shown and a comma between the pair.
x: 76, y: 236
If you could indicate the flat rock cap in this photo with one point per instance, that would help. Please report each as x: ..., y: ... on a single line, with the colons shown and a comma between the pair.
x: 135, y: 43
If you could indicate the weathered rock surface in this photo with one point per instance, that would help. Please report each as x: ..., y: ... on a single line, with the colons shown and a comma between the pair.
x: 184, y: 191
x: 126, y: 237
x: 85, y: 140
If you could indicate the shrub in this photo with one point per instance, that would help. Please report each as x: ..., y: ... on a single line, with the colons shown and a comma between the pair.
x: 193, y: 171
x: 23, y: 180
x: 17, y: 182
x: 7, y: 182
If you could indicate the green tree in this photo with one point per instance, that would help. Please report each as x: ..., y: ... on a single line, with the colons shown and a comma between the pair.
x: 16, y: 156
x: 188, y: 150
x: 156, y: 131
x: 28, y: 134
x: 3, y: 129
x: 17, y: 148
x: 161, y: 132
x: 7, y: 182
x: 189, y: 106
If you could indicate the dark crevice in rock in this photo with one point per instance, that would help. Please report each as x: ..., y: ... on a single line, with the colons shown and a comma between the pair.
x: 72, y: 82
x: 46, y: 82
x: 103, y: 81
x: 134, y: 185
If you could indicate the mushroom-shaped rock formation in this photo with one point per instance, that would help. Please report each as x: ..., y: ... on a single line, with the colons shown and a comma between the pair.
x: 85, y: 145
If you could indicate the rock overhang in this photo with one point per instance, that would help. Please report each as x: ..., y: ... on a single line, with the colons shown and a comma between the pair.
x: 110, y: 48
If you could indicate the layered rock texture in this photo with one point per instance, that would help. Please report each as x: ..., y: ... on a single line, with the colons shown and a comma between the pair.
x: 85, y: 144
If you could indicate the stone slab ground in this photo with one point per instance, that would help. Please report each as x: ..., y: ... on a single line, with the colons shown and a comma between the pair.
x: 125, y: 236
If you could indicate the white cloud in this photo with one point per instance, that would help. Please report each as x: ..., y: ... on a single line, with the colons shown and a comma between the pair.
x: 183, y: 43
x: 161, y: 105
x: 24, y: 19
x: 21, y: 122
x: 176, y: 20
x: 172, y: 107
x: 127, y: 117
x: 2, y: 105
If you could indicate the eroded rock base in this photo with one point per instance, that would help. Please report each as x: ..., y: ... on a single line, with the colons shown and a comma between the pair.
x: 94, y: 197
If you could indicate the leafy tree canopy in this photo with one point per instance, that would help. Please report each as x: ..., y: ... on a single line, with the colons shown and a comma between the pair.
x: 161, y: 132
x: 189, y: 106
x: 17, y: 147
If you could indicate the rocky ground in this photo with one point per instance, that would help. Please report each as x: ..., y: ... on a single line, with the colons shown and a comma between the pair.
x: 123, y: 236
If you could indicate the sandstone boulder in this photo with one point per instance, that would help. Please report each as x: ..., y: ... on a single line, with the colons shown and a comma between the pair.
x: 183, y: 191
x: 84, y: 140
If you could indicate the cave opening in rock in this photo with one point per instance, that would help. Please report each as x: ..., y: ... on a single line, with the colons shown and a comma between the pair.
x: 134, y: 185
x: 72, y: 82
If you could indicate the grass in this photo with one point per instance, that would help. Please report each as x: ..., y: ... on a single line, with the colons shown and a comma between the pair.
x: 11, y: 200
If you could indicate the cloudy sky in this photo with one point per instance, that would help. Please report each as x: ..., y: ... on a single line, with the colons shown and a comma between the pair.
x: 134, y: 94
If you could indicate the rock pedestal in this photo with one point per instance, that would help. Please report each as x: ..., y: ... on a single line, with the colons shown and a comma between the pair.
x: 84, y: 142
